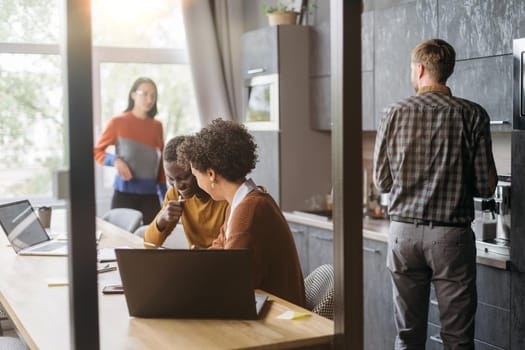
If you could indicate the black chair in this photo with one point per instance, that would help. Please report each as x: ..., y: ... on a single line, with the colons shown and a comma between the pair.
x: 128, y: 219
x: 319, y: 290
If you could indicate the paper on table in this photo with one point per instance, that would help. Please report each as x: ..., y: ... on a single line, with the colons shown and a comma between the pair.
x: 107, y: 254
x: 292, y: 315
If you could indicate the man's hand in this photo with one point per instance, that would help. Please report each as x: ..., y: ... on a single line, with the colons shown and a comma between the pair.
x: 123, y: 169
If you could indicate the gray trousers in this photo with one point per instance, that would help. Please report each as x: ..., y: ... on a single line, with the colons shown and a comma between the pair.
x: 446, y: 257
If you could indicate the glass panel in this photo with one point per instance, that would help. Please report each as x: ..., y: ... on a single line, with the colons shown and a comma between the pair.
x: 31, y: 123
x: 261, y: 103
x: 258, y: 104
x: 29, y: 21
x: 151, y: 24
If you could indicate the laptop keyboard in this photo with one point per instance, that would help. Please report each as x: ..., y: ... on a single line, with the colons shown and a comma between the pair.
x: 51, y: 246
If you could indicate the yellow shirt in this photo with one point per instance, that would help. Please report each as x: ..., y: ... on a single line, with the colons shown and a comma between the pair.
x: 201, y: 219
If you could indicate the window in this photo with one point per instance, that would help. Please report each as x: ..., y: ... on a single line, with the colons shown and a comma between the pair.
x: 30, y: 22
x: 144, y: 39
x: 31, y: 112
x: 143, y: 24
x: 30, y: 107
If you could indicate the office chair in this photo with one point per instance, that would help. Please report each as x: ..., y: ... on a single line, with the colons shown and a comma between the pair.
x: 319, y: 291
x: 128, y: 219
x: 140, y: 231
x: 11, y: 343
x: 4, y: 320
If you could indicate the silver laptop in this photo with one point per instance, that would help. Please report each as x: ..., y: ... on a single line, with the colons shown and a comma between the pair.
x: 189, y: 283
x: 25, y: 233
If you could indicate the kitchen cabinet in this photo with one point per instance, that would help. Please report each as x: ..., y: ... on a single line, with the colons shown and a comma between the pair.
x: 500, y: 291
x: 380, y: 330
x: 259, y: 53
x: 314, y: 246
x: 320, y: 247
x: 276, y: 95
x: 300, y: 235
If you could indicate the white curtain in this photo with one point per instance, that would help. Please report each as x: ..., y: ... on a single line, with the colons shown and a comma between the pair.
x: 213, y: 32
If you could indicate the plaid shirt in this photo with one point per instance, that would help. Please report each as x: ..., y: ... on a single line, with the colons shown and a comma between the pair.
x: 433, y: 153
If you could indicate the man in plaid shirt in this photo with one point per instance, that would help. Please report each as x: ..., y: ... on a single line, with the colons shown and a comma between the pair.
x: 433, y: 153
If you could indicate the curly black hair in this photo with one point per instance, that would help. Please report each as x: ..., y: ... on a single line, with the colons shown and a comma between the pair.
x: 170, y: 150
x: 224, y: 146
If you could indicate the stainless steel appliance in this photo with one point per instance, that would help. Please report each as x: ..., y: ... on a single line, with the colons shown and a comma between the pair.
x: 492, y: 223
x: 517, y: 257
x: 502, y: 198
x: 484, y: 224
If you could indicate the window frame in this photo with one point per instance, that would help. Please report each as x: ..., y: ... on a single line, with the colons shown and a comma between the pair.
x: 100, y: 55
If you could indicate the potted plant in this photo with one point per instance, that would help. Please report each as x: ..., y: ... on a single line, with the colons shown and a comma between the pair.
x: 284, y: 13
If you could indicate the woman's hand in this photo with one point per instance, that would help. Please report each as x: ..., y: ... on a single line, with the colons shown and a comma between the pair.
x: 123, y: 169
x: 170, y: 214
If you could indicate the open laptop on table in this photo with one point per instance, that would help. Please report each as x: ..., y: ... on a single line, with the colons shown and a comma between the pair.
x: 25, y: 232
x: 181, y: 283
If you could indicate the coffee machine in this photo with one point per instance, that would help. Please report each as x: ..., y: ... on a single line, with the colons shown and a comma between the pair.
x: 502, y: 209
x: 491, y: 224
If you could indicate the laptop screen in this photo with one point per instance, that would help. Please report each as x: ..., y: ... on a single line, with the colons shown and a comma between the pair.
x: 21, y: 225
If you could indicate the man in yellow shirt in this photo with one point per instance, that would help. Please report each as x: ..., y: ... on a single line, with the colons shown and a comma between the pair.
x: 185, y: 201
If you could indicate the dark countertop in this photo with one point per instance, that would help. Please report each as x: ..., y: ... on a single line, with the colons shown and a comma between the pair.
x: 377, y: 229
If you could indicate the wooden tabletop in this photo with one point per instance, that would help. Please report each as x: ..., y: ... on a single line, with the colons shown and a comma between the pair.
x: 41, y: 312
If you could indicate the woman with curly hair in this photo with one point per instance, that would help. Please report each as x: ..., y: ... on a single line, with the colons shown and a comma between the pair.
x: 220, y: 156
x: 201, y: 216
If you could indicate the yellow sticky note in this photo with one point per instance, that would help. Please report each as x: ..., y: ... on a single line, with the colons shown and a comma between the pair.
x: 292, y: 315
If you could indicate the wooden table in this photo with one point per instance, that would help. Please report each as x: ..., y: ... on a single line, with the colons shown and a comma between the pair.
x: 41, y: 313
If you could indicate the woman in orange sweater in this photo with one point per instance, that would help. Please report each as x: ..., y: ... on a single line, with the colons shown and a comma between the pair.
x: 138, y: 138
x: 221, y: 155
x: 185, y: 202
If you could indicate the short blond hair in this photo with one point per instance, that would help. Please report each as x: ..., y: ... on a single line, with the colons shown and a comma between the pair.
x: 437, y: 56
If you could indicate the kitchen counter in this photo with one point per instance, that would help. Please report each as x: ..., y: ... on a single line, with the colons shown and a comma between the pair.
x: 377, y: 229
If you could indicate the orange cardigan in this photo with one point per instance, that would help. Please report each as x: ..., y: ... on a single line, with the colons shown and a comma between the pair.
x: 259, y: 225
